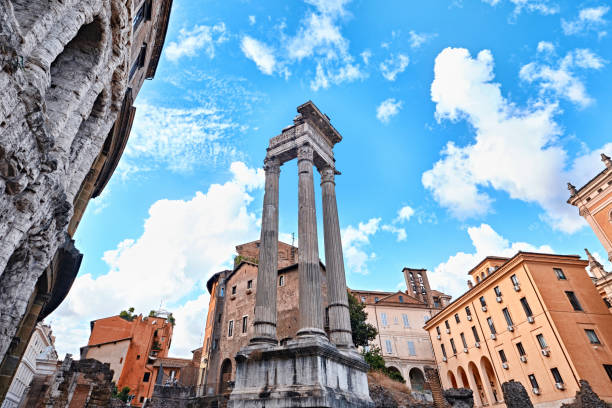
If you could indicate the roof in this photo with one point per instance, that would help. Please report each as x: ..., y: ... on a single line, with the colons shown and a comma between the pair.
x: 439, y: 294
x: 313, y: 115
x: 486, y: 258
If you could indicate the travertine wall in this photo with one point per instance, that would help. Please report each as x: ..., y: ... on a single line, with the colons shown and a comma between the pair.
x: 63, y: 74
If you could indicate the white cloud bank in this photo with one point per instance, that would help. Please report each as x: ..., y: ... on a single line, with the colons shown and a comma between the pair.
x: 589, y: 19
x: 259, y: 53
x: 451, y: 276
x: 353, y: 242
x: 387, y: 109
x: 183, y: 243
x: 191, y: 41
x: 515, y: 150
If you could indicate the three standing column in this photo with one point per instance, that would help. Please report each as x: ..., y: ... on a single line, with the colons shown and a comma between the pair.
x: 311, y: 302
x: 338, y: 309
x: 265, y: 297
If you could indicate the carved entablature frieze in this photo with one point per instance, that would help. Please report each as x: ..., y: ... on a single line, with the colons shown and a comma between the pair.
x: 284, y: 147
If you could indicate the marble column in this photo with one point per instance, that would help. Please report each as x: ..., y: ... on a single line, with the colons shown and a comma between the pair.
x: 338, y: 309
x: 265, y: 298
x: 311, y: 305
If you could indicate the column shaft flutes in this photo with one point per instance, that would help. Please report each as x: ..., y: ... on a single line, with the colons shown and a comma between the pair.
x: 338, y: 310
x: 311, y: 304
x: 265, y: 298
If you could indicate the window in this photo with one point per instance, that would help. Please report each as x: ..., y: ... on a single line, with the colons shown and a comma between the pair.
x: 411, y: 350
x: 375, y: 299
x: 502, y: 356
x: 497, y: 291
x: 245, y: 324
x: 507, y: 316
x: 234, y: 290
x: 463, y: 340
x: 452, y: 342
x: 556, y: 375
x: 444, y: 350
x: 139, y: 16
x: 395, y: 320
x: 573, y: 300
x: 383, y: 317
x: 533, y: 381
x: 592, y: 336
x: 475, y: 333
x: 514, y: 280
x: 491, y: 325
x: 138, y: 357
x: 482, y: 301
x: 401, y: 299
x: 468, y: 311
x: 477, y: 279
x: 388, y: 345
x: 521, y: 349
x: 608, y: 368
x: 281, y: 281
x: 250, y: 284
x: 363, y: 299
x: 141, y: 399
x: 559, y: 273
x: 526, y: 307
x: 438, y: 330
x: 230, y: 328
x: 541, y: 341
x: 436, y: 302
x: 446, y: 324
x: 405, y: 319
x: 139, y: 61
x: 457, y: 318
x: 221, y: 291
x: 146, y: 377
x: 215, y: 343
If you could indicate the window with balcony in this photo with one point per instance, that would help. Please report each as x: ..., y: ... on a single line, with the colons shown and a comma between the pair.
x: 533, y: 381
x: 571, y: 296
x: 483, y: 303
x: 556, y: 375
x: 541, y: 341
x: 520, y: 349
x: 475, y: 333
x: 502, y: 356
x: 463, y: 341
x: 507, y: 316
x: 452, y: 343
x: 559, y: 273
x: 491, y: 325
x: 497, y: 291
x: 514, y: 280
x: 592, y: 336
x: 526, y: 307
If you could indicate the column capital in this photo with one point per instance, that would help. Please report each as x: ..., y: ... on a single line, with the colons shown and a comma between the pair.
x: 305, y: 152
x: 328, y: 174
x: 272, y: 165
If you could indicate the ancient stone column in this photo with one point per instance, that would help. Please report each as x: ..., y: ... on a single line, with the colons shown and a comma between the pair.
x: 265, y: 298
x: 338, y: 309
x: 311, y: 305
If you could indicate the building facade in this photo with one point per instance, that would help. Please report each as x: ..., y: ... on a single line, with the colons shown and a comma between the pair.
x: 131, y: 348
x: 399, y: 318
x: 533, y: 318
x: 69, y: 73
x: 40, y: 349
x: 229, y: 322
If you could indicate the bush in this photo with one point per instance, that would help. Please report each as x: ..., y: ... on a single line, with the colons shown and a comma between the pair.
x: 374, y: 358
x: 123, y: 395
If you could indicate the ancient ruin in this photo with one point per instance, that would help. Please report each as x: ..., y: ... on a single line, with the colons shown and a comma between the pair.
x: 69, y: 72
x: 310, y: 370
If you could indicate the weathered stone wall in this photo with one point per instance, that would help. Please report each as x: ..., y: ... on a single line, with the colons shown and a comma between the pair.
x: 459, y: 397
x: 515, y: 395
x: 586, y: 398
x: 63, y: 74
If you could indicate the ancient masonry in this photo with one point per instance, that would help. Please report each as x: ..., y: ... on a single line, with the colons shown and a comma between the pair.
x: 69, y: 70
x: 311, y: 370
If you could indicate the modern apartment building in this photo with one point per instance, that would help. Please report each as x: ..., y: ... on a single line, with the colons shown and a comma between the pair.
x: 131, y: 346
x: 533, y: 318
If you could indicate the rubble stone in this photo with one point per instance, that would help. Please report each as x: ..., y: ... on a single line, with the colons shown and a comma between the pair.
x: 515, y: 395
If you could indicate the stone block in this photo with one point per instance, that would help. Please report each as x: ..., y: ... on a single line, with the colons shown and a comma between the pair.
x: 515, y: 395
x: 459, y: 397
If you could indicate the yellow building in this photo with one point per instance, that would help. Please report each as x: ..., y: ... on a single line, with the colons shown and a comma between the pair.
x: 533, y: 318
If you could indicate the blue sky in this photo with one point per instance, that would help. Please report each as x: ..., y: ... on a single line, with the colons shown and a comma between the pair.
x: 462, y: 122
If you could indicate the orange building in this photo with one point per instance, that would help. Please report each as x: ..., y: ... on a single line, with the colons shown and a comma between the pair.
x: 131, y: 347
x: 533, y: 318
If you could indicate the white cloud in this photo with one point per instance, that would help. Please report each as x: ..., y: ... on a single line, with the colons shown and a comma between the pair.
x: 394, y: 65
x: 546, y: 47
x: 260, y: 53
x: 365, y: 56
x: 418, y: 39
x: 561, y: 80
x: 544, y: 7
x: 399, y: 232
x: 252, y: 20
x: 180, y: 138
x: 353, y: 242
x: 515, y: 149
x: 191, y: 41
x: 589, y: 19
x: 387, y: 109
x: 404, y: 214
x: 183, y: 243
x: 451, y: 276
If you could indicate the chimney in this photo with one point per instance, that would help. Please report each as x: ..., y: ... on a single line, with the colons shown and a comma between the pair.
x: 470, y: 284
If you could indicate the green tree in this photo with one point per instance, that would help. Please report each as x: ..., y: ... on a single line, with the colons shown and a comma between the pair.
x: 363, y: 333
x: 373, y: 356
x: 123, y: 395
x: 127, y: 314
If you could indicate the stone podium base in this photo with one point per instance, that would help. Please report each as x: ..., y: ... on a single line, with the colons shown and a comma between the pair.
x: 306, y: 372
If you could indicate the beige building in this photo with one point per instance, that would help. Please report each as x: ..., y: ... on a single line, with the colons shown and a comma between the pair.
x: 399, y: 318
x: 533, y: 318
